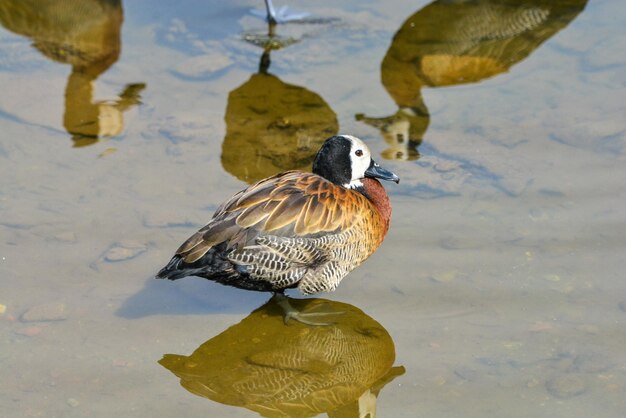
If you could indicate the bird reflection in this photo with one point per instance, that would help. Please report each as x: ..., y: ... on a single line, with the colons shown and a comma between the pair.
x: 272, y: 126
x: 458, y: 42
x: 293, y: 370
x: 86, y: 35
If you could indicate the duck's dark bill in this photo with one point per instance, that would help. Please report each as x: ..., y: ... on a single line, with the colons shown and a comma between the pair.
x: 376, y: 171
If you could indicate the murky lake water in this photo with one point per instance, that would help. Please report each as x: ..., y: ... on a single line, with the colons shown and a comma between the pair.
x: 499, y: 289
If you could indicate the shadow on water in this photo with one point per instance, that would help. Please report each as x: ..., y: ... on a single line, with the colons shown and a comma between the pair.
x: 293, y: 370
x: 86, y: 35
x: 273, y: 126
x: 188, y: 297
x: 450, y: 43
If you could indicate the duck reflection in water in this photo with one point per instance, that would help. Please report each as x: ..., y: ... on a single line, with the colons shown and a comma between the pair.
x: 293, y: 370
x: 457, y: 42
x: 86, y: 35
x: 273, y: 126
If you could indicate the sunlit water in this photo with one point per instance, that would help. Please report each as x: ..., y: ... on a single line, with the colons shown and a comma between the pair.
x: 499, y: 289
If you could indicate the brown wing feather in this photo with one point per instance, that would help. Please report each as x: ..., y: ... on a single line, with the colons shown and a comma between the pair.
x: 290, y: 204
x: 286, y: 212
x: 252, y: 216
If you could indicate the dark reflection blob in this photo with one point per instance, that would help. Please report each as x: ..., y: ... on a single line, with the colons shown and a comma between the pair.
x: 86, y: 35
x: 293, y: 370
x: 457, y: 42
x: 272, y: 126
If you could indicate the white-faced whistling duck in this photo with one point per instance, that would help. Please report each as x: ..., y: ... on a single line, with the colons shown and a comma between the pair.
x: 295, y: 229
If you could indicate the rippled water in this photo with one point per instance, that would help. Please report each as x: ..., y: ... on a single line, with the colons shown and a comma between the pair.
x: 499, y: 289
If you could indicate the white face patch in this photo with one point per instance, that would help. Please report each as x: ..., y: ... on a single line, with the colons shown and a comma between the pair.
x: 360, y: 160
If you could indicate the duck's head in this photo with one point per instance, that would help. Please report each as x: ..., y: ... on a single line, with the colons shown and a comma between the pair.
x: 346, y: 160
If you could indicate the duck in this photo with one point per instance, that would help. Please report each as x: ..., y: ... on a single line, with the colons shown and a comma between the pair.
x: 296, y: 229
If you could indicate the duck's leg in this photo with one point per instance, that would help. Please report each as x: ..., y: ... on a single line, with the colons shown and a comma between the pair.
x: 281, y: 15
x: 271, y: 12
x: 302, y: 317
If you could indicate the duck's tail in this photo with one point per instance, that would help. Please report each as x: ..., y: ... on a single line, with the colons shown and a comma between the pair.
x: 173, y: 270
x: 211, y: 265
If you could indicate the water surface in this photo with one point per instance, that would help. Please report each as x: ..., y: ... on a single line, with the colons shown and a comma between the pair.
x: 499, y: 289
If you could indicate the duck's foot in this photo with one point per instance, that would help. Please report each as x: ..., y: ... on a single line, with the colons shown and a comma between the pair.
x: 282, y: 15
x: 307, y: 318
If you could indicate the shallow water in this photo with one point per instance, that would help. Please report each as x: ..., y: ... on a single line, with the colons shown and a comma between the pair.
x: 500, y: 283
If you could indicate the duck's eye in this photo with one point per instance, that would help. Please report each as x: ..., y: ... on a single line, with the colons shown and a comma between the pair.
x: 358, y: 153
